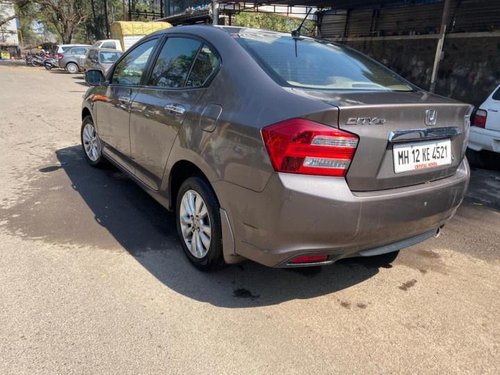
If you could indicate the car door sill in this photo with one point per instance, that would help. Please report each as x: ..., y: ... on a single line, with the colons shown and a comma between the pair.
x: 110, y: 154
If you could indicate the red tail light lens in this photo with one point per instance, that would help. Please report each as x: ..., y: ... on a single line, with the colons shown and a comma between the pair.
x: 309, y: 259
x: 479, y: 119
x: 306, y: 147
x: 60, y: 56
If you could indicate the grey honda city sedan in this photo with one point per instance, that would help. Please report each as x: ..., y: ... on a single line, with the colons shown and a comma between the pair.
x: 288, y: 151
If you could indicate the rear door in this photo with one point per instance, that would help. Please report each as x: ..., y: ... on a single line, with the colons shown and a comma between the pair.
x: 492, y: 105
x: 176, y: 83
x: 78, y: 54
x: 113, y: 109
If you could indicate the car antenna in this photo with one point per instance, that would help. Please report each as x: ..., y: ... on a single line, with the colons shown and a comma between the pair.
x: 296, y: 32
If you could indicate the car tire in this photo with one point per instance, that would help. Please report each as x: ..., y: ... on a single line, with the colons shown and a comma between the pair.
x: 475, y: 159
x: 91, y: 143
x: 199, y: 224
x: 72, y: 68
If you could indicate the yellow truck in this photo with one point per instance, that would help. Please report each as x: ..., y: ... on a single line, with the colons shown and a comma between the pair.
x: 129, y: 32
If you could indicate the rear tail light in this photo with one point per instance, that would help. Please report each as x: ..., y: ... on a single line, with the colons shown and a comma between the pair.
x: 479, y: 118
x: 60, y: 56
x: 309, y: 259
x: 306, y: 147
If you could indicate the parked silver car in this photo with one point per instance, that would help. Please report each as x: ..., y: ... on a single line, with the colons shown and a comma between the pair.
x: 285, y: 150
x: 73, y: 59
x: 101, y: 59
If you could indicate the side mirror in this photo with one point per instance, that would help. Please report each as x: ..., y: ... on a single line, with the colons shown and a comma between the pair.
x: 94, y: 77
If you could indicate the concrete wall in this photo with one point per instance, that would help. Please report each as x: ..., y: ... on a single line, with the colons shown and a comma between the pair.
x: 469, y: 71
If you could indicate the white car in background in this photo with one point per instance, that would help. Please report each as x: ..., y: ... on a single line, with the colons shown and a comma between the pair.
x: 108, y: 43
x: 485, y: 125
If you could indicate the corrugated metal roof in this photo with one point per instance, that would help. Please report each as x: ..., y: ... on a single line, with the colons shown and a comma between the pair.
x: 339, y: 4
x: 414, y: 19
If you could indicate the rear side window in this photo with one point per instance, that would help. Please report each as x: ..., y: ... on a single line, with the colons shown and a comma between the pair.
x: 496, y: 95
x: 77, y: 51
x: 309, y: 63
x: 205, y: 65
x: 174, y: 62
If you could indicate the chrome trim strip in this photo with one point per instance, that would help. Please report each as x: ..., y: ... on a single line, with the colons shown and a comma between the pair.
x: 310, y: 264
x: 423, y: 134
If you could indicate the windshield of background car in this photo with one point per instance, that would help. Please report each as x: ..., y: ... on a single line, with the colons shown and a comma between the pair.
x: 496, y: 95
x: 308, y: 63
x: 108, y: 57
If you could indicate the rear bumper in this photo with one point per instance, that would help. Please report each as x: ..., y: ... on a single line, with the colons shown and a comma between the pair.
x: 305, y: 215
x: 484, y: 139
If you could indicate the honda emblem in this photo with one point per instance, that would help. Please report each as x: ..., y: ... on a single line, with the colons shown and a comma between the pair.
x: 431, y: 117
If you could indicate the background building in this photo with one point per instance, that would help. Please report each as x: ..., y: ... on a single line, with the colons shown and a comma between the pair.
x: 8, y: 31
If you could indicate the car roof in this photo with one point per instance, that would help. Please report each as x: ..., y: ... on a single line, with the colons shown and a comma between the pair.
x: 200, y: 29
x: 228, y: 29
x: 78, y: 46
x: 73, y: 45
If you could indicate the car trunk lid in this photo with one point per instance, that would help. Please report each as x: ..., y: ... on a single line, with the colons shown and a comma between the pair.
x: 392, y: 125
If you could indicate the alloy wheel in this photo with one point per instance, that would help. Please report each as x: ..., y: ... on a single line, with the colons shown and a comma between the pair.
x: 195, y: 224
x: 72, y: 68
x: 91, y: 142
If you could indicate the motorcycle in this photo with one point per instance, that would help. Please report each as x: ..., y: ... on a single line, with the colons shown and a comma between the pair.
x: 51, y: 63
x: 29, y: 59
x: 37, y: 60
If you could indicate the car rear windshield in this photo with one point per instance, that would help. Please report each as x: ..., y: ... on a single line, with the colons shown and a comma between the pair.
x: 108, y: 57
x: 313, y: 64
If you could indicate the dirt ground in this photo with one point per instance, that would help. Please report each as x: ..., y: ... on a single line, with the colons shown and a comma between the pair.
x: 93, y: 279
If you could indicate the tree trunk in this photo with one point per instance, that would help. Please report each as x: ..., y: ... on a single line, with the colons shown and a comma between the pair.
x: 106, y: 19
x: 92, y: 4
x: 67, y: 35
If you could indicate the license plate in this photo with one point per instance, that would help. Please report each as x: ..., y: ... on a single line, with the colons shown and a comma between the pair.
x: 416, y: 156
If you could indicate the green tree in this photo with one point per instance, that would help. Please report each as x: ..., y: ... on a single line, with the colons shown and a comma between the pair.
x: 97, y: 25
x: 27, y: 15
x: 64, y: 15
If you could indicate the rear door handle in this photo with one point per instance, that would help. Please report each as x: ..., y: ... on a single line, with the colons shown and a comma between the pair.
x: 493, y: 110
x: 176, y: 108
